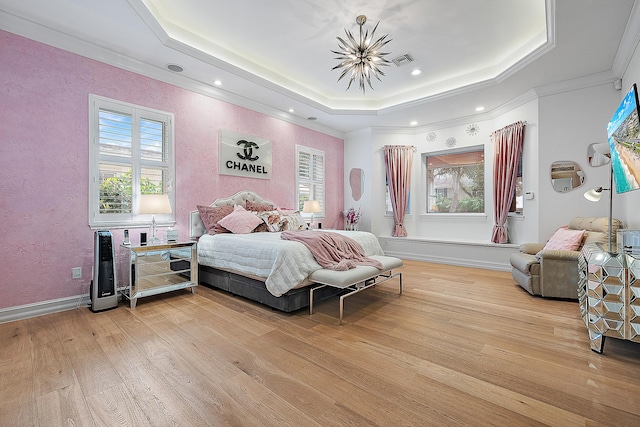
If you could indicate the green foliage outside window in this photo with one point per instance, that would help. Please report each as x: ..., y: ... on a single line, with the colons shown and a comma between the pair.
x: 467, y: 189
x: 116, y: 192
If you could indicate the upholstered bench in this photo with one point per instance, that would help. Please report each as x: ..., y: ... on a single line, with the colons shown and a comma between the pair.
x: 356, y: 279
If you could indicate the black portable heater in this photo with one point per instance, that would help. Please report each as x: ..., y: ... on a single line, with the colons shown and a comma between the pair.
x: 103, y: 286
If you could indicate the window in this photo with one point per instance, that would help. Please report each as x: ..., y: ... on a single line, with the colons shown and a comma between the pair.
x: 455, y: 181
x: 517, y: 204
x: 387, y: 198
x: 131, y: 153
x: 310, y: 176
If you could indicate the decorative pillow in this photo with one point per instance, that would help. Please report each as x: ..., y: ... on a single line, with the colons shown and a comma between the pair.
x: 274, y: 221
x: 210, y: 216
x: 240, y: 221
x: 296, y: 222
x: 564, y: 239
x: 258, y: 207
x: 261, y: 228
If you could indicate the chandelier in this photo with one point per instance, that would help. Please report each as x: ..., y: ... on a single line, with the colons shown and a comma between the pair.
x: 361, y: 58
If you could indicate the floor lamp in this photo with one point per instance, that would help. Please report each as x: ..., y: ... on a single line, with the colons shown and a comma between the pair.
x: 595, y: 194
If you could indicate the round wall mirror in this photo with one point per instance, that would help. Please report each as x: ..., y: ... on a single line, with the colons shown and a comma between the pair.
x: 356, y: 180
x: 598, y: 154
x: 566, y: 176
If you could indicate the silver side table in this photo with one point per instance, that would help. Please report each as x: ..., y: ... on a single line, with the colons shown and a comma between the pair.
x: 157, y: 268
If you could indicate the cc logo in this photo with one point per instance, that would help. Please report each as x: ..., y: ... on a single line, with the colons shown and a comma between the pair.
x: 248, y: 150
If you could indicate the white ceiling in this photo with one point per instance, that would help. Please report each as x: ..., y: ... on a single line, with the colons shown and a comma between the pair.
x: 276, y: 55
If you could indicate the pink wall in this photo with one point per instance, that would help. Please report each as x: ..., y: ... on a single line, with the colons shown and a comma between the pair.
x: 44, y: 161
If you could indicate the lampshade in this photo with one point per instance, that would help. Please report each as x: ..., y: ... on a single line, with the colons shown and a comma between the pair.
x: 594, y: 194
x: 311, y: 206
x: 154, y: 204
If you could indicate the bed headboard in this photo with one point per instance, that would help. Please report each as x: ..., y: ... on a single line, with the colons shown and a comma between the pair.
x: 196, y: 226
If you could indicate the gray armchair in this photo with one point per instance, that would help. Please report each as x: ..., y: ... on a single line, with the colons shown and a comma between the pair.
x: 554, y: 273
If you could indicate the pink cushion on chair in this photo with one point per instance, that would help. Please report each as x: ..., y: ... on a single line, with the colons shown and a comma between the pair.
x: 564, y: 239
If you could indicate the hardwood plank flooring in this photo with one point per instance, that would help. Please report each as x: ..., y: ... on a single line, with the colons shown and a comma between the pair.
x: 460, y: 347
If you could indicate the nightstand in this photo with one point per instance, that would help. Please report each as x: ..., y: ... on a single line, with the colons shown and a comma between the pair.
x: 154, y: 269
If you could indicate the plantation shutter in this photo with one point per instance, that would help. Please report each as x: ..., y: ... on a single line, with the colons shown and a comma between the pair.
x: 310, y: 176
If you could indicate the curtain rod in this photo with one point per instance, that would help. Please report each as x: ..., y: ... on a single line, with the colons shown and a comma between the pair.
x: 507, y: 126
x: 413, y: 147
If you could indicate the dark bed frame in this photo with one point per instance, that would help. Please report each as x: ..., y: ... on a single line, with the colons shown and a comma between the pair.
x: 256, y: 290
x: 247, y: 287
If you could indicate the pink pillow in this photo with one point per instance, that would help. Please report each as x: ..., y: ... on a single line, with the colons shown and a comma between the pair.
x: 240, y: 221
x: 210, y: 216
x: 258, y: 207
x: 564, y: 239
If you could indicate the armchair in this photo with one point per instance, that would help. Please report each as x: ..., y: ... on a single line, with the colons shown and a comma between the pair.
x: 554, y: 272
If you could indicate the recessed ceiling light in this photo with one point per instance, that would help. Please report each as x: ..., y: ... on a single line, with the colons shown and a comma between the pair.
x: 291, y: 110
x: 413, y: 123
x: 416, y: 72
x: 175, y: 68
x: 217, y: 82
x: 481, y: 108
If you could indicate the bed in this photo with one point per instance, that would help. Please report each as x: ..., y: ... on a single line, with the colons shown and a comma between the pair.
x: 262, y: 266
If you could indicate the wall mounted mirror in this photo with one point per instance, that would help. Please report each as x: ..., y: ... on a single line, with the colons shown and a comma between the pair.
x: 598, y: 154
x: 356, y: 180
x: 566, y: 176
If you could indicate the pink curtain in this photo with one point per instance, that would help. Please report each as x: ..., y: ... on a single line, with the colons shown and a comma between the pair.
x: 398, y: 159
x: 507, y: 146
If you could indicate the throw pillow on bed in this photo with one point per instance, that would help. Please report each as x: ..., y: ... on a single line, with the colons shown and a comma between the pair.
x: 274, y: 221
x: 210, y: 216
x: 565, y: 239
x: 257, y: 208
x: 296, y: 222
x: 240, y: 221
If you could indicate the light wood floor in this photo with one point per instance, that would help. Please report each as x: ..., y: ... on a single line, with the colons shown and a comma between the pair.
x: 460, y: 346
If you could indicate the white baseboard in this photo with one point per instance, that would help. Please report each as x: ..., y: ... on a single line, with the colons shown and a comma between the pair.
x: 45, y: 307
x: 486, y: 255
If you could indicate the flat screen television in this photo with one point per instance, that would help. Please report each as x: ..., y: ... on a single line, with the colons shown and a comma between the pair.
x: 623, y: 133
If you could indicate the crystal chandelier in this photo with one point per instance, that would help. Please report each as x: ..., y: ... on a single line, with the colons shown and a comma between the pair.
x: 362, y: 58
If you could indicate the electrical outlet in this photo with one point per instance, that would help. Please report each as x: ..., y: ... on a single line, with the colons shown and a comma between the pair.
x: 76, y: 272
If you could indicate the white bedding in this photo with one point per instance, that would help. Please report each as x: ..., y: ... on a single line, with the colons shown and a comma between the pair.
x: 282, y: 264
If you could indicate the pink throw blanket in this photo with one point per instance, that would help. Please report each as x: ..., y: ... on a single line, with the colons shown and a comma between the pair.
x: 332, y: 251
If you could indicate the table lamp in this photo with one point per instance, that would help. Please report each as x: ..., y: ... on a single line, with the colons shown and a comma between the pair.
x: 311, y: 206
x: 154, y: 204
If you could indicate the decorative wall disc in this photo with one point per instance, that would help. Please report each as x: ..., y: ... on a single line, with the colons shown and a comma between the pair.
x: 473, y: 129
x: 431, y: 136
x: 451, y: 142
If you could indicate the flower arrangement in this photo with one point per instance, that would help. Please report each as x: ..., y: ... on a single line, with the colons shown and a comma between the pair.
x: 352, y: 217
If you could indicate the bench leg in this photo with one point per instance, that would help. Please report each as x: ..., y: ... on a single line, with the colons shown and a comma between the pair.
x: 311, y: 297
x: 355, y: 289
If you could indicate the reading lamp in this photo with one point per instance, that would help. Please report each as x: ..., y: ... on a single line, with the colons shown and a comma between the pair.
x: 311, y: 206
x: 595, y: 194
x: 154, y: 204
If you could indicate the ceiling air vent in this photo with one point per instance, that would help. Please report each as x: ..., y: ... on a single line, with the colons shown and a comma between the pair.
x: 402, y: 59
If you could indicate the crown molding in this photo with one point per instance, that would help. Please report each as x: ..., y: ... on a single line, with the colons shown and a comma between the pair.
x: 42, y: 34
x: 629, y: 42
